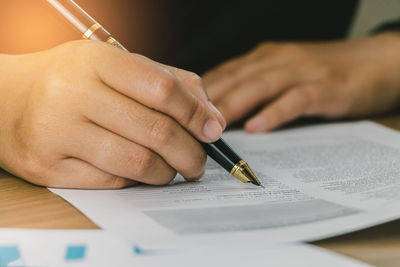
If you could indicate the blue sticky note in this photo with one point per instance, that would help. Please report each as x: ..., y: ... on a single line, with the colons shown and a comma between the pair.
x: 9, y: 254
x: 75, y: 252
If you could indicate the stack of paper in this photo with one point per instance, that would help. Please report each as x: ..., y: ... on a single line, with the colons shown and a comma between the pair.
x: 319, y: 181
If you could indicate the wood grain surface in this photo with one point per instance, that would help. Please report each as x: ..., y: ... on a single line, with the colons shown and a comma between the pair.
x: 23, y: 205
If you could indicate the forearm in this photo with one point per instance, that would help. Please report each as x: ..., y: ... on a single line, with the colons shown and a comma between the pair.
x: 385, y: 46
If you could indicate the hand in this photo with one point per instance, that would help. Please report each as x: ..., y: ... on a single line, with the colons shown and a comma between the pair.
x: 332, y: 80
x: 89, y: 115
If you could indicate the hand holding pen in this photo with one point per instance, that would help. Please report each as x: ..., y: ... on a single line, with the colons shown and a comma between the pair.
x: 218, y: 150
x: 88, y: 115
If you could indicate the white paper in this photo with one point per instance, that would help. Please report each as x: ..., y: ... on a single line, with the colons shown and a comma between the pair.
x: 49, y: 248
x: 288, y: 255
x: 320, y: 181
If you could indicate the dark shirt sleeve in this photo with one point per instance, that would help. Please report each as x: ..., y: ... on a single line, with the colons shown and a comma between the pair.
x: 388, y: 26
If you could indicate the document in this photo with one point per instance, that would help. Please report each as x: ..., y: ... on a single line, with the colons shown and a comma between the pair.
x: 99, y: 248
x: 318, y: 181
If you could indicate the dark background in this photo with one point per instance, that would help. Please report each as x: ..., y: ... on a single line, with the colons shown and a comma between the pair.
x: 190, y: 34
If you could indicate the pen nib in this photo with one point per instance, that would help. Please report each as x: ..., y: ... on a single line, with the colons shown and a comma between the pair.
x: 250, y: 175
x: 254, y: 180
x: 245, y: 174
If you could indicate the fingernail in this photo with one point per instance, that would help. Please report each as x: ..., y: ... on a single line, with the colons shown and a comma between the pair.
x: 219, y: 114
x: 257, y: 124
x: 212, y: 130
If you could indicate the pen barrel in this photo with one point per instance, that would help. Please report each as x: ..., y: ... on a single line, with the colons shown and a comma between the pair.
x: 83, y: 22
x: 222, y: 153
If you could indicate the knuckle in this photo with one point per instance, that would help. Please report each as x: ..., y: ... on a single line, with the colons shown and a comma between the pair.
x: 162, y: 130
x: 142, y: 163
x: 53, y: 93
x: 53, y: 82
x: 195, y: 79
x: 165, y: 87
x: 294, y: 51
x: 194, y: 112
x: 51, y: 89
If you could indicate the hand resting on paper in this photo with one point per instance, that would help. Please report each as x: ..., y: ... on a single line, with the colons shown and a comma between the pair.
x: 288, y: 80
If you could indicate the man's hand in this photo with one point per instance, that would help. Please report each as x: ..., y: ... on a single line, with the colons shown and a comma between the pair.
x: 89, y: 115
x: 332, y: 80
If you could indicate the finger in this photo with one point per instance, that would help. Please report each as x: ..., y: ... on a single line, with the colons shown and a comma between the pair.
x: 196, y: 85
x: 229, y: 66
x: 254, y: 91
x: 191, y: 80
x: 214, y: 74
x: 117, y: 155
x: 149, y: 128
x: 226, y: 76
x: 289, y: 106
x: 156, y: 87
x: 219, y: 81
x: 75, y: 173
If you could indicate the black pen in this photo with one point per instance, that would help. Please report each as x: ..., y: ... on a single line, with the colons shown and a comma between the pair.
x: 90, y: 29
x: 223, y: 154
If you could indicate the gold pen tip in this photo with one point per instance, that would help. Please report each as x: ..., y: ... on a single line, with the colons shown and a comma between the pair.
x: 243, y: 172
x: 251, y: 176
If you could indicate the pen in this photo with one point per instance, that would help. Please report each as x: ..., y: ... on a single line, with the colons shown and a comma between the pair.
x: 220, y: 151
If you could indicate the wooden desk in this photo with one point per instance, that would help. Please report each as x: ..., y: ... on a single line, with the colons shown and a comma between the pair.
x: 23, y: 205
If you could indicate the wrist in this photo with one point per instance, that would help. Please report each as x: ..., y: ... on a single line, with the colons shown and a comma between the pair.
x: 386, y: 47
